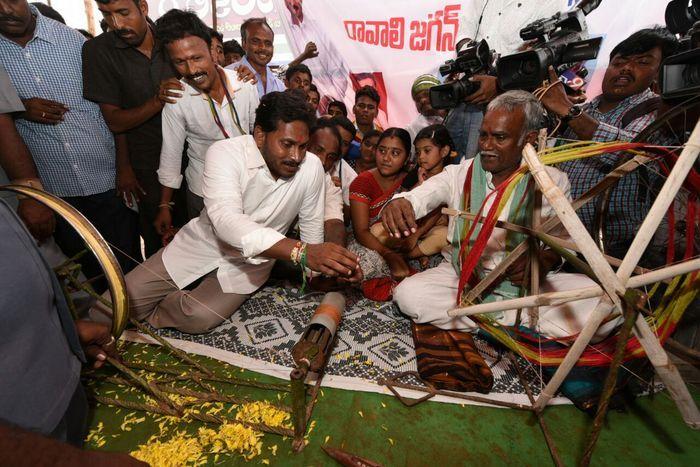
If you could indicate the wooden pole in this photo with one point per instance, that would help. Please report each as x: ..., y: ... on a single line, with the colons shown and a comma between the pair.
x: 559, y: 298
x: 610, y: 382
x: 89, y: 13
x: 213, y: 15
x: 533, y: 312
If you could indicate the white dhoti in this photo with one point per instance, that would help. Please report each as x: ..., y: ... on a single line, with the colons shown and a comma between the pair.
x: 427, y: 296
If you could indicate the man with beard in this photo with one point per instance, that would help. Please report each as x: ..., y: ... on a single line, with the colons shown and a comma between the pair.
x: 215, y: 105
x: 625, y: 107
x: 68, y: 140
x: 255, y: 186
x: 420, y: 92
x: 258, y: 42
x: 511, y: 121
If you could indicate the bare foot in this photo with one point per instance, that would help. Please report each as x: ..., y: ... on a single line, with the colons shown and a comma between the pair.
x: 397, y: 265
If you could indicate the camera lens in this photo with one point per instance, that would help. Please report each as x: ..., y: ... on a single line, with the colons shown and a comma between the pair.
x: 529, y: 67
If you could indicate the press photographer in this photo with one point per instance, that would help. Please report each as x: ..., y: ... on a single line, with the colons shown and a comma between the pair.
x: 626, y: 106
x: 499, y: 23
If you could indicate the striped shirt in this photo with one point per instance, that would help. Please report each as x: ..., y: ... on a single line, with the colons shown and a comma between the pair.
x: 75, y: 157
x: 629, y: 201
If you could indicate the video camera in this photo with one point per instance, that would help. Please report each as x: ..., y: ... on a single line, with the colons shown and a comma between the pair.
x: 680, y: 73
x: 474, y: 58
x: 561, y: 39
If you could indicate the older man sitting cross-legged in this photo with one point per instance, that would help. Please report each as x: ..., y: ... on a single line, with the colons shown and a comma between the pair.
x: 511, y: 121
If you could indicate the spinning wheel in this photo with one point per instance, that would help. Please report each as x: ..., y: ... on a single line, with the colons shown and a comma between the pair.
x: 97, y: 245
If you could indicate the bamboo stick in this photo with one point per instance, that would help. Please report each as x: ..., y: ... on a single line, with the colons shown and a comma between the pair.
x: 458, y: 395
x: 147, y: 386
x: 610, y: 382
x: 297, y: 377
x: 559, y: 298
x: 533, y: 311
x: 553, y: 451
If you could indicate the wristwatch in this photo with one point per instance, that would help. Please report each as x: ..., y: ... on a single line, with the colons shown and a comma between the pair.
x: 574, y: 112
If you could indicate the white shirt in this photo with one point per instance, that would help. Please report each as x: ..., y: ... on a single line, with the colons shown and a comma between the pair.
x: 333, y: 201
x: 500, y: 21
x: 447, y: 187
x: 246, y: 211
x: 347, y: 174
x: 190, y: 119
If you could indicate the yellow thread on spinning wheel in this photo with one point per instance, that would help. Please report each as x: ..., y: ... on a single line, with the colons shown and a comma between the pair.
x: 97, y: 244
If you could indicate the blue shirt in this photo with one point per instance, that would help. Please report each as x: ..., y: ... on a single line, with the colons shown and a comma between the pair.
x: 75, y: 157
x: 273, y: 82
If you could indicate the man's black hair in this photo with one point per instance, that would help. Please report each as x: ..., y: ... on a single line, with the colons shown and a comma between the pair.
x: 340, y: 105
x: 251, y: 22
x: 646, y: 39
x: 49, y: 12
x: 282, y: 106
x: 216, y: 35
x: 371, y: 134
x: 368, y: 91
x: 177, y: 24
x: 294, y: 69
x: 345, y: 123
x: 322, y: 123
x: 233, y: 47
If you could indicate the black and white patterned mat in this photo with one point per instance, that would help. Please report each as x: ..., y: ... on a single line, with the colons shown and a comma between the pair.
x: 374, y: 341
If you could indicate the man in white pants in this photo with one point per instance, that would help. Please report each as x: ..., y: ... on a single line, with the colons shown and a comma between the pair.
x: 511, y: 121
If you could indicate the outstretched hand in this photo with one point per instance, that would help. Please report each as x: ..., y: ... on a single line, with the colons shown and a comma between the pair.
x: 333, y: 260
x: 399, y: 218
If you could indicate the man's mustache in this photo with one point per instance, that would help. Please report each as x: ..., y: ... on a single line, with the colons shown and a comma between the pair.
x: 196, y: 75
x: 124, y: 32
x: 10, y: 18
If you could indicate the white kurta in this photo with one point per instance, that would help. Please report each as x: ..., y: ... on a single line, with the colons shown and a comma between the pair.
x: 246, y: 212
x: 426, y: 296
x: 347, y: 174
x: 190, y: 120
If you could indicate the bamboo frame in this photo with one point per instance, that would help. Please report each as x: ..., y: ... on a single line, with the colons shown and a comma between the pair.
x: 614, y: 284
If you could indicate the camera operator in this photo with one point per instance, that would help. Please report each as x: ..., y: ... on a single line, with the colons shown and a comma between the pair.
x: 626, y: 106
x: 499, y: 22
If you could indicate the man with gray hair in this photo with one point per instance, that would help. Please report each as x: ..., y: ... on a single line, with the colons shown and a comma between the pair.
x: 511, y: 121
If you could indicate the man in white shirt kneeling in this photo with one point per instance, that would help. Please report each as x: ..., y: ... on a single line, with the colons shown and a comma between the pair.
x: 254, y: 188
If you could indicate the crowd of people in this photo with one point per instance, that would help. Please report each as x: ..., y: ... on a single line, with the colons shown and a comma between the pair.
x: 207, y: 171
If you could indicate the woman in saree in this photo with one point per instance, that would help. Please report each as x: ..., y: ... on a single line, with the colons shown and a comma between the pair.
x: 369, y: 192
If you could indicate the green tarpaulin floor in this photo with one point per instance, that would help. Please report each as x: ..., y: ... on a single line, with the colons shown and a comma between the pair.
x: 380, y: 428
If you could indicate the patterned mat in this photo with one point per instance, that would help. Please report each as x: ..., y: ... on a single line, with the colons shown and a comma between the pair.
x: 374, y: 341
